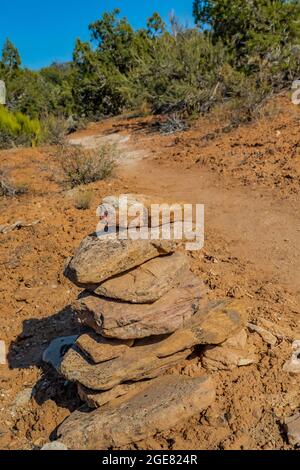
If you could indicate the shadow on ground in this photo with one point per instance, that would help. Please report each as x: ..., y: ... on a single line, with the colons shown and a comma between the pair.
x: 28, y: 349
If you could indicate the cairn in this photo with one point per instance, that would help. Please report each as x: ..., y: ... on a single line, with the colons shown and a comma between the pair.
x: 145, y: 313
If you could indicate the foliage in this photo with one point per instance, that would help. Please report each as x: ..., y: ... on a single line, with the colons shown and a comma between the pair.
x: 11, y: 59
x: 238, y: 53
x: 18, y: 129
x: 253, y: 30
x: 82, y: 166
x: 180, y: 74
x: 54, y: 130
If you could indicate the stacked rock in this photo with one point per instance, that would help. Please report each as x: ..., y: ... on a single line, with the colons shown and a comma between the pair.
x: 146, y: 313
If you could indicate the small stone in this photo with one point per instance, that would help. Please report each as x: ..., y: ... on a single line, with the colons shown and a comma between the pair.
x: 166, y: 402
x: 230, y: 354
x: 292, y: 426
x: 280, y: 331
x: 55, y: 445
x: 55, y: 352
x: 224, y: 358
x: 23, y: 398
x: 293, y: 364
x: 238, y: 341
x: 217, y: 321
x: 264, y: 334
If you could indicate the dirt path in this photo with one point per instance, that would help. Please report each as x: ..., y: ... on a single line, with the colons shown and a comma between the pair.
x: 257, y: 226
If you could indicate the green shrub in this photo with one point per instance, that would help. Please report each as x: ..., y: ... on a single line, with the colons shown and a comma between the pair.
x: 18, y: 129
x: 180, y: 74
x: 81, y: 166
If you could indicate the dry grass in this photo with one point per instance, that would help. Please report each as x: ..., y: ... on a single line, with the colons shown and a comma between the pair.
x: 81, y: 166
x: 83, y: 198
x: 9, y: 189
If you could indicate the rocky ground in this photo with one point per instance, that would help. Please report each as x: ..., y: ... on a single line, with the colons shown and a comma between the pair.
x: 248, y: 179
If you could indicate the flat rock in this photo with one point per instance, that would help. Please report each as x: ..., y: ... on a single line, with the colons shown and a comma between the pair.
x: 148, y: 282
x: 100, y: 258
x: 138, y: 363
x: 225, y: 358
x: 212, y: 324
x: 100, y: 349
x: 292, y: 426
x: 267, y: 337
x: 56, y: 350
x: 97, y: 399
x: 127, y: 321
x: 167, y: 401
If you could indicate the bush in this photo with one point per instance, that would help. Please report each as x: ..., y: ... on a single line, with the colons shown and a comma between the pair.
x: 179, y: 76
x: 83, y: 198
x: 18, y: 129
x: 82, y: 166
x: 54, y: 130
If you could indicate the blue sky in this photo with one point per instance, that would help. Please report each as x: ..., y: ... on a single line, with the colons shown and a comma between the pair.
x: 46, y: 31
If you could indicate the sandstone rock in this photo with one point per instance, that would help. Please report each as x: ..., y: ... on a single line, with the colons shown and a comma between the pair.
x: 292, y: 426
x: 263, y: 333
x: 97, y: 399
x: 138, y: 363
x: 148, y: 282
x: 165, y: 403
x: 99, y: 258
x: 137, y: 210
x: 100, y: 349
x: 126, y: 321
x: 220, y: 320
x: 292, y: 365
x: 225, y: 358
x: 109, y: 210
x: 56, y: 350
x: 230, y: 354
